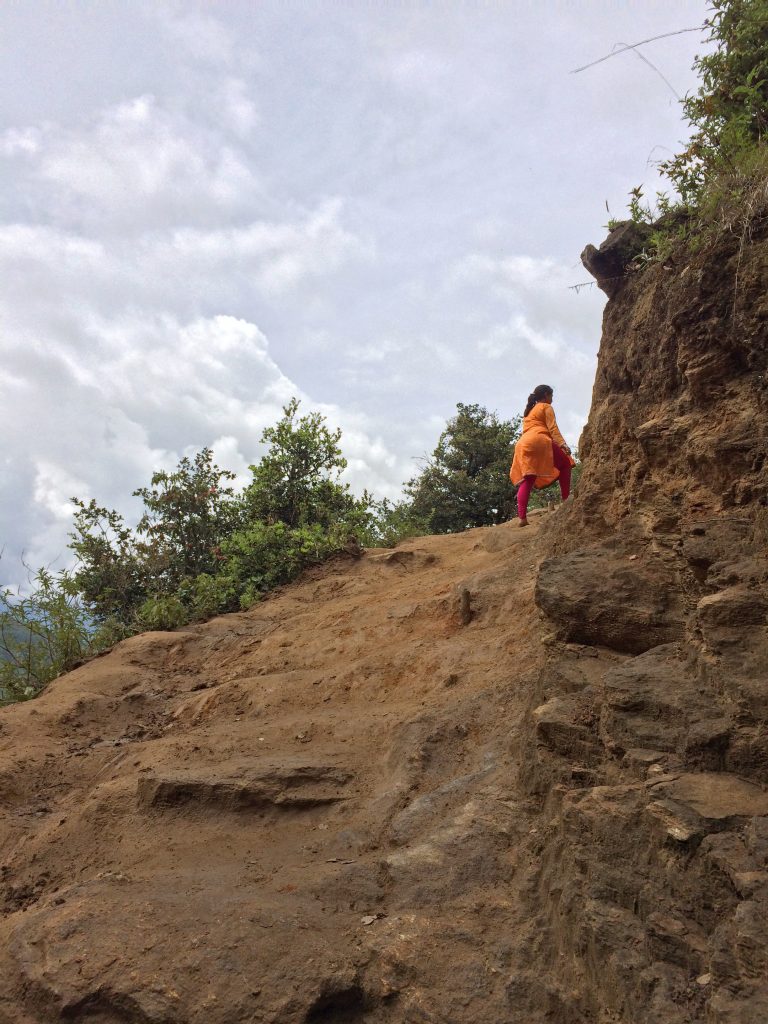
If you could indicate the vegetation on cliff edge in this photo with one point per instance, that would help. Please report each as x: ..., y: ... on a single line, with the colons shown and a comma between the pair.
x: 720, y: 177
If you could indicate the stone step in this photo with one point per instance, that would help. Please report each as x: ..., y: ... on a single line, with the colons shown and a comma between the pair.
x: 286, y: 787
x: 691, y: 805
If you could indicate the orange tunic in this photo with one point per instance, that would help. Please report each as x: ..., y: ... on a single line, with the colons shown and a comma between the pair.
x: 533, y: 452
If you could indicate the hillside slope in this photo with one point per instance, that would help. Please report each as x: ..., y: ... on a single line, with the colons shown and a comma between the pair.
x: 307, y: 812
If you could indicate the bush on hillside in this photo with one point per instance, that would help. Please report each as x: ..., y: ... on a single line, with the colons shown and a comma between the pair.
x: 199, y: 548
x: 391, y: 522
x: 298, y: 480
x: 43, y: 633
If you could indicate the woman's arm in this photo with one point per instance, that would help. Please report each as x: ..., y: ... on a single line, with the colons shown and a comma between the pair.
x: 554, y: 433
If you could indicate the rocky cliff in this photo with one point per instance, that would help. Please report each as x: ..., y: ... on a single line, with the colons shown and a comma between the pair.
x: 655, y: 878
x: 505, y: 776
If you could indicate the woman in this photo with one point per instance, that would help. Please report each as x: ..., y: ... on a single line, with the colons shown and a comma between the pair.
x: 541, y: 454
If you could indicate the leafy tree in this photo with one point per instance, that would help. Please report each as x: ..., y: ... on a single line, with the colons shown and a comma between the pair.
x: 392, y: 521
x: 298, y: 480
x: 187, y: 514
x: 297, y: 512
x: 200, y: 549
x: 466, y: 481
x: 111, y: 574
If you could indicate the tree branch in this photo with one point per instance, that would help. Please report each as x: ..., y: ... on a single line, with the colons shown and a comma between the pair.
x: 634, y: 46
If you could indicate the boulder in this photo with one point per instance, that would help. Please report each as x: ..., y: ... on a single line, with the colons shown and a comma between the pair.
x: 567, y: 726
x: 609, y: 596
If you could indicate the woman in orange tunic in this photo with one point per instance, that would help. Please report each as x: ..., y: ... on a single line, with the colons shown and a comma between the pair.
x: 541, y: 454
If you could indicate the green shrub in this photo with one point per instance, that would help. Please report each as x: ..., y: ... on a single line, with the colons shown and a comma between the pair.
x: 163, y: 612
x: 266, y: 555
x: 391, y: 522
x: 720, y: 176
x: 729, y: 111
x: 43, y: 633
x: 297, y: 481
x: 207, y: 595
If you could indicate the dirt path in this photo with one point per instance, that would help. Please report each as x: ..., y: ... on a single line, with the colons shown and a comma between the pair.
x: 306, y: 812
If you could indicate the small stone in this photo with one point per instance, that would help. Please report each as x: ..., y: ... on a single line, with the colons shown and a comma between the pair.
x: 465, y: 606
x: 704, y: 979
x: 368, y: 919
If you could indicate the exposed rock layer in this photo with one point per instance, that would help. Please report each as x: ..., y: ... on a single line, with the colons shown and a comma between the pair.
x: 656, y: 875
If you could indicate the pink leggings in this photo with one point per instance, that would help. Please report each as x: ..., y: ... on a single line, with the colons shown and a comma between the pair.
x: 526, y: 486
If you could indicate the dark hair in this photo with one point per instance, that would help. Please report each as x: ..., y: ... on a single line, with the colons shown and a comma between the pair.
x: 538, y: 394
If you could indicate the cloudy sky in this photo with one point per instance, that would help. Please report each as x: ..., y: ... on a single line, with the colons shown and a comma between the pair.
x: 375, y: 205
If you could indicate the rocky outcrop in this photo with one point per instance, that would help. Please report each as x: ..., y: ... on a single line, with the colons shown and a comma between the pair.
x: 654, y: 780
x: 602, y: 595
x: 609, y: 263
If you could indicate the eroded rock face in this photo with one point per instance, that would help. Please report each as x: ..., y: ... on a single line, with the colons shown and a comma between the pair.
x: 599, y: 595
x: 608, y: 264
x: 656, y: 873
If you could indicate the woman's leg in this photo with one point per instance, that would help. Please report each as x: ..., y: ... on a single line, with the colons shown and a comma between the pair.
x: 563, y: 464
x: 523, y: 494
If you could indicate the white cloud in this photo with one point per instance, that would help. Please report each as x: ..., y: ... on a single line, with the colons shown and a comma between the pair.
x: 503, y: 339
x: 139, y: 166
x: 418, y: 69
x: 119, y: 354
x: 238, y: 106
x: 54, y: 487
x: 200, y: 36
x: 19, y: 141
x: 545, y: 311
x: 377, y: 352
